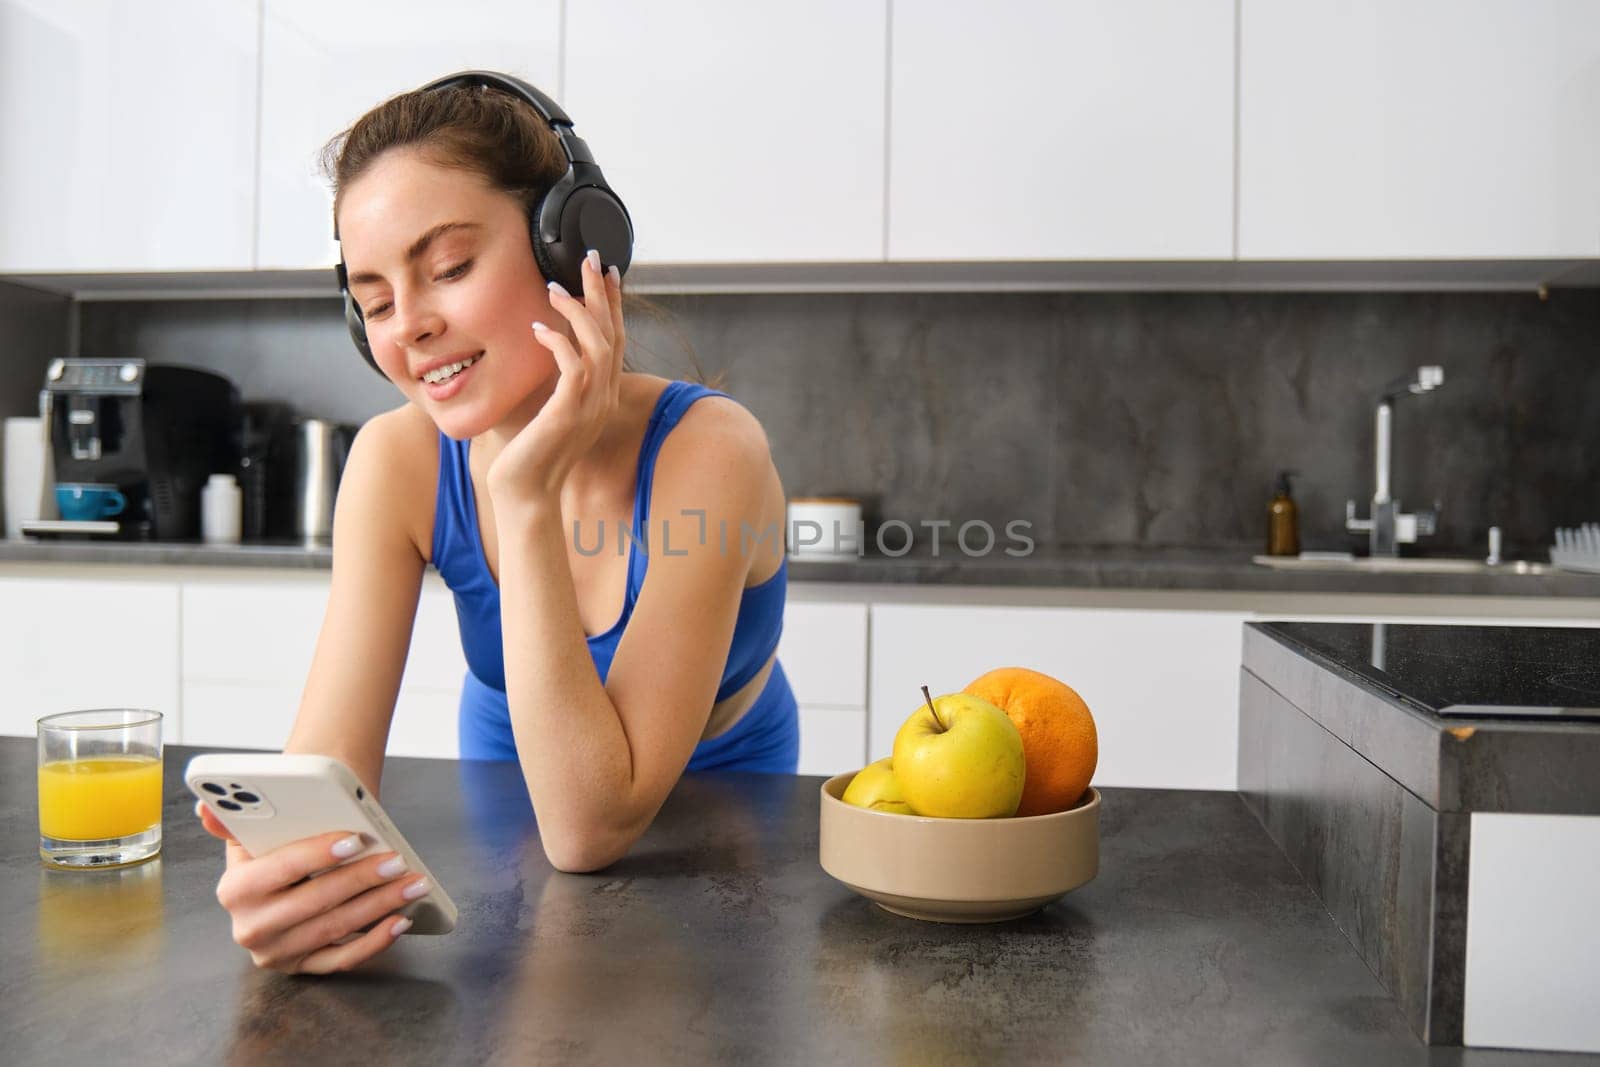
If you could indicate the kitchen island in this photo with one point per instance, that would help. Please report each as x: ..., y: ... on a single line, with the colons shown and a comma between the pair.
x: 1439, y: 787
x: 718, y: 939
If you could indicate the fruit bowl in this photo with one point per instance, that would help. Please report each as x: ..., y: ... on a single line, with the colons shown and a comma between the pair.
x: 958, y: 870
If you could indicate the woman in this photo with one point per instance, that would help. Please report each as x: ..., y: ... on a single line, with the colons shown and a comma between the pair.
x: 533, y: 471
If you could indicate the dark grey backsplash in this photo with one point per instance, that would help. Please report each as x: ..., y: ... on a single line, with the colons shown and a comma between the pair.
x: 1102, y: 419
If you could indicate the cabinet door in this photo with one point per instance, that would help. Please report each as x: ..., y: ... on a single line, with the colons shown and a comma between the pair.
x: 1163, y: 685
x: 832, y: 740
x: 130, y: 135
x: 1374, y: 129
x: 247, y: 648
x: 430, y: 691
x: 1092, y: 129
x: 247, y: 651
x: 736, y: 132
x: 324, y: 65
x: 824, y: 655
x: 71, y: 644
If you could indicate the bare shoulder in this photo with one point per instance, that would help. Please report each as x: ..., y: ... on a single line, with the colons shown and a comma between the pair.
x: 400, y: 447
x: 719, y: 454
x: 718, y: 436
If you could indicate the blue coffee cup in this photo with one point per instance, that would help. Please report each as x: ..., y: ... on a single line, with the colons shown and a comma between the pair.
x: 84, y: 502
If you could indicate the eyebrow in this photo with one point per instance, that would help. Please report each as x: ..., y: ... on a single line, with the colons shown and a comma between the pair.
x: 418, y: 247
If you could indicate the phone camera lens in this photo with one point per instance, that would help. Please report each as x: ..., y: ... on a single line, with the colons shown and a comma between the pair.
x: 230, y: 805
x: 246, y: 798
x: 361, y: 794
x: 213, y: 787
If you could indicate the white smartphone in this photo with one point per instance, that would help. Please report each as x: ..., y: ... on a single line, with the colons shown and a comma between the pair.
x: 270, y: 799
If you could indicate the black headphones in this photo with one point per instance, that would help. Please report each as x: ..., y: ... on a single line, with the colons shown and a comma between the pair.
x: 579, y: 212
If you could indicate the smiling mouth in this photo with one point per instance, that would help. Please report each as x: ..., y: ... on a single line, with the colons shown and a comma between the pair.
x: 443, y: 374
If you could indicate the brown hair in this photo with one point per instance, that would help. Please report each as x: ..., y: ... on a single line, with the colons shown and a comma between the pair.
x: 480, y: 130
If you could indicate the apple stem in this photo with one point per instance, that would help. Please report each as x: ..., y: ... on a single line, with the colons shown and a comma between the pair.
x: 929, y: 699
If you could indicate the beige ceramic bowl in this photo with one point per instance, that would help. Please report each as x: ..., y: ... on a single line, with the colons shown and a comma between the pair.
x: 958, y: 870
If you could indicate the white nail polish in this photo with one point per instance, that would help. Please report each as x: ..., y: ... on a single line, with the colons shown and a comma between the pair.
x: 401, y: 925
x: 199, y: 808
x: 392, y: 867
x: 415, y: 890
x: 557, y: 287
x: 539, y: 327
x: 347, y: 847
x: 614, y: 274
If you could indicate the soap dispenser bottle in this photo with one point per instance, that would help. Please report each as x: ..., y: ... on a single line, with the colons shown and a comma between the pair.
x: 1283, y: 520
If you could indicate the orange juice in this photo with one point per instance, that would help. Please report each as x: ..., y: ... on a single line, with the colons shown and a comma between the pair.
x: 101, y: 798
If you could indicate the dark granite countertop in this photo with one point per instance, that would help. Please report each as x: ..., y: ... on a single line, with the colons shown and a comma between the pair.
x: 1212, y: 569
x: 718, y: 939
x: 1385, y: 689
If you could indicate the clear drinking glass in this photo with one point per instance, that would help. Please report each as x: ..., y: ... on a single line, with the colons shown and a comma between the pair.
x: 99, y: 787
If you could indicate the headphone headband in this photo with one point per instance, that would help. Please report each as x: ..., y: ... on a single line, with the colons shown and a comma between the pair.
x: 577, y: 213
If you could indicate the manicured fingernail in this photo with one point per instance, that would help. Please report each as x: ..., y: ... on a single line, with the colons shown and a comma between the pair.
x: 416, y: 889
x: 391, y: 867
x: 347, y: 847
x: 199, y: 808
x: 557, y: 287
x: 614, y: 274
x: 594, y: 260
x: 401, y: 925
x: 539, y: 327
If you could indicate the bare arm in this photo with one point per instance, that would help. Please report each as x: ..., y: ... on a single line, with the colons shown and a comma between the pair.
x: 349, y: 696
x: 600, y: 760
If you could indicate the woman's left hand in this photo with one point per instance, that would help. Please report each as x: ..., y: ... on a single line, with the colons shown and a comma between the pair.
x: 534, y: 466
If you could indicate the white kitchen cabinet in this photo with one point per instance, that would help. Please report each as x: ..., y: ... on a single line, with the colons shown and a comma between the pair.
x: 1163, y: 685
x: 67, y: 645
x: 1089, y: 129
x: 824, y: 652
x: 832, y: 740
x: 1376, y: 129
x: 130, y: 135
x: 736, y: 132
x: 247, y: 651
x: 824, y: 655
x: 426, y: 711
x: 324, y: 65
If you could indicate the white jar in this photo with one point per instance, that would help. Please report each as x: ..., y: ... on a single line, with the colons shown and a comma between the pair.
x: 825, y: 527
x: 221, y: 510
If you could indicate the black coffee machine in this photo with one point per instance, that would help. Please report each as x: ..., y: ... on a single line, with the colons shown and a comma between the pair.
x: 154, y: 431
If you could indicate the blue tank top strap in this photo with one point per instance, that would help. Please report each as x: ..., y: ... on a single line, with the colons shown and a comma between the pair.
x: 458, y: 557
x: 670, y: 406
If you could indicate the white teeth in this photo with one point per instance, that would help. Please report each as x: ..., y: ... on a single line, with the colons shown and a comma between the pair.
x: 444, y: 374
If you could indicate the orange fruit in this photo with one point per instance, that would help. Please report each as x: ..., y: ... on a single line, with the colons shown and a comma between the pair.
x: 1059, y: 744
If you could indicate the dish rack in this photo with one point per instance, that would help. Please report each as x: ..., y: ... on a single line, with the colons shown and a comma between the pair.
x: 1578, y: 548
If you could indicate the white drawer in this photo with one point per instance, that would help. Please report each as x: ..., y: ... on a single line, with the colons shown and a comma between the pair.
x: 824, y: 653
x: 832, y: 740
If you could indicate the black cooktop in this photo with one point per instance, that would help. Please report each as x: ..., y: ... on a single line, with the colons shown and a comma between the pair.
x: 1469, y: 671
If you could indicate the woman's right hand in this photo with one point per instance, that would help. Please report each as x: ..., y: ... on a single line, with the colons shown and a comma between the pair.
x: 292, y: 923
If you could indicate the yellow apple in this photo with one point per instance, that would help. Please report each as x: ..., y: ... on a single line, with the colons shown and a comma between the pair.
x: 959, y: 757
x: 875, y: 787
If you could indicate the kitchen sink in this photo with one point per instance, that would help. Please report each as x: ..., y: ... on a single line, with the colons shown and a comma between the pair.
x: 1403, y: 565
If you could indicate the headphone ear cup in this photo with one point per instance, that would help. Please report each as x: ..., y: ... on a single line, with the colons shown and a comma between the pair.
x: 358, y: 330
x: 554, y: 271
x: 586, y: 218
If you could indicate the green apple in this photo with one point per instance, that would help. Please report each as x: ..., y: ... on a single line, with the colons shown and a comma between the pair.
x: 959, y: 757
x: 876, y: 787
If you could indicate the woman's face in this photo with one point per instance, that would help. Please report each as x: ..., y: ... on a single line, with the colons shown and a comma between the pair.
x: 472, y: 290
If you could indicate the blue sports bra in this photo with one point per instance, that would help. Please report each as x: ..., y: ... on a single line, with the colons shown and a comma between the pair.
x: 458, y: 556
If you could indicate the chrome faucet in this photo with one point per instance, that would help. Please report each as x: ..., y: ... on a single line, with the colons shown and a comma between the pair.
x: 1388, y: 527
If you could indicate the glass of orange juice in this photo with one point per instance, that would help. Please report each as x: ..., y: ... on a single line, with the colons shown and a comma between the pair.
x: 99, y: 787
